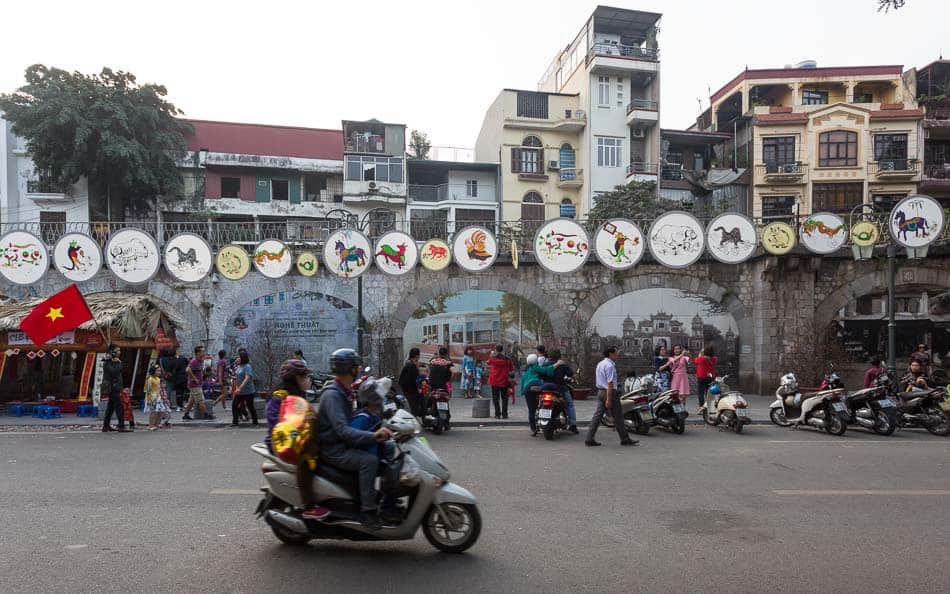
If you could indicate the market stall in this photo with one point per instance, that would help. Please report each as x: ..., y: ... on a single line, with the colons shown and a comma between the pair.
x: 64, y: 369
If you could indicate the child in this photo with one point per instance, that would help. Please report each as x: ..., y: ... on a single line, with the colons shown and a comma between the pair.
x: 479, y: 373
x: 154, y: 405
x: 126, y: 398
x: 368, y: 418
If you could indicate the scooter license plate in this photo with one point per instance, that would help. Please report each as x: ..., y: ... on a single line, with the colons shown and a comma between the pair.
x: 741, y: 412
x: 885, y: 403
x: 442, y: 405
x: 544, y: 413
x: 646, y: 415
x: 678, y: 408
x: 839, y: 406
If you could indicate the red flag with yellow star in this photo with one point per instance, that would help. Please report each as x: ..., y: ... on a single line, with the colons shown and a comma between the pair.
x: 60, y: 313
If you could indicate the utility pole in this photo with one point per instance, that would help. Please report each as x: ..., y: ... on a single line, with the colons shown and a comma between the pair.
x: 891, y: 318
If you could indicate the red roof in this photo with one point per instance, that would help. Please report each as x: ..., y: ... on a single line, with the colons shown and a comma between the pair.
x: 804, y: 73
x: 896, y: 114
x: 262, y: 139
x: 781, y: 117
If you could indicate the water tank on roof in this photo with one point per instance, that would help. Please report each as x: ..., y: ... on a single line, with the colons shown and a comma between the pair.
x: 807, y: 64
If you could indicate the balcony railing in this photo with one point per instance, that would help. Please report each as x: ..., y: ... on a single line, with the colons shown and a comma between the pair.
x: 642, y: 104
x: 671, y: 172
x: 570, y: 174
x: 795, y: 172
x: 443, y: 192
x: 641, y: 168
x: 366, y: 143
x: 937, y: 171
x: 43, y: 186
x: 625, y: 51
x: 938, y: 113
x: 885, y: 168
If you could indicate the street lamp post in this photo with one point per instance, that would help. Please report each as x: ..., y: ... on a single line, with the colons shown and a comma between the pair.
x: 891, y: 317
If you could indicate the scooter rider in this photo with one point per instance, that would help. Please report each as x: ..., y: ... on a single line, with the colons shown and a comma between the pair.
x: 340, y: 444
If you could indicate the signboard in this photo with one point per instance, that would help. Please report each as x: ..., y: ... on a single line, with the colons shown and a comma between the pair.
x: 97, y: 383
x: 163, y: 342
x: 15, y: 337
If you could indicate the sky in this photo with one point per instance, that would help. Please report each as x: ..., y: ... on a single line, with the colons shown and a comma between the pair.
x: 434, y: 65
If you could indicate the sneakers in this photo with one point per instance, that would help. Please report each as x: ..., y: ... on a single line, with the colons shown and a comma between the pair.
x: 591, y: 443
x: 629, y: 442
x: 187, y: 418
x: 315, y: 512
x: 573, y: 429
x: 178, y: 409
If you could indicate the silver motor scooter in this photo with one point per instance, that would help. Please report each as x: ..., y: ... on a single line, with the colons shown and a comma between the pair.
x: 447, y: 513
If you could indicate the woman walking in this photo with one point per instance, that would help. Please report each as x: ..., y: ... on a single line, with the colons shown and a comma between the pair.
x: 468, y: 373
x: 245, y: 390
x: 661, y: 365
x: 680, y: 379
x: 154, y: 403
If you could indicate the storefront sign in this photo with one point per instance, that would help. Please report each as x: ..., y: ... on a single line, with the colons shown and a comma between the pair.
x: 20, y: 338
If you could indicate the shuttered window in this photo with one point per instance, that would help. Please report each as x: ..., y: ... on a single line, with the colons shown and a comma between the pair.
x: 532, y: 105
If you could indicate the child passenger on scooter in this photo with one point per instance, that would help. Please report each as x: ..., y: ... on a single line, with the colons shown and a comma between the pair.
x: 368, y: 418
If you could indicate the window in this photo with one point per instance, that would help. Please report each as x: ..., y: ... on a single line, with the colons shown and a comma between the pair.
x: 532, y: 214
x: 814, y: 97
x: 863, y: 98
x: 315, y: 187
x: 777, y: 207
x: 836, y: 197
x: 230, y: 187
x: 886, y: 202
x: 603, y: 91
x: 891, y: 150
x: 279, y: 189
x: 381, y: 220
x: 838, y: 149
x: 369, y: 168
x: 474, y: 216
x: 532, y: 105
x: 529, y: 158
x: 471, y: 188
x: 609, y: 151
x: 568, y: 210
x: 778, y: 151
x: 428, y: 224
x: 619, y: 92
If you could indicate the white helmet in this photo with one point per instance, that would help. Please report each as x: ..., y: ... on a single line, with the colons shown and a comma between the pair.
x: 403, y: 423
x: 532, y: 359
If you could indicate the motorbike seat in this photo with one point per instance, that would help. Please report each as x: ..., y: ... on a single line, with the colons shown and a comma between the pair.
x: 345, y: 479
x: 861, y: 393
x: 908, y: 396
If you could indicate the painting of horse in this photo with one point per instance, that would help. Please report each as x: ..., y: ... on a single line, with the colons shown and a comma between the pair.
x: 918, y: 225
x: 348, y: 255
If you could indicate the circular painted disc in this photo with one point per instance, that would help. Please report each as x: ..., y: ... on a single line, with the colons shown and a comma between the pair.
x: 435, y: 255
x: 916, y: 221
x: 307, y: 264
x: 272, y: 258
x: 396, y: 253
x: 561, y: 245
x: 232, y: 262
x: 347, y: 253
x: 731, y: 238
x: 778, y: 238
x: 676, y: 239
x: 188, y: 257
x: 132, y: 255
x: 77, y: 257
x: 475, y: 248
x: 24, y: 258
x: 823, y: 233
x: 865, y: 234
x: 619, y: 244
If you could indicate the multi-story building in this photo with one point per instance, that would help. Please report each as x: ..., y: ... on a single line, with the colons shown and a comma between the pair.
x: 820, y: 139
x: 933, y: 93
x: 445, y: 196
x: 593, y: 123
x: 691, y: 174
x: 374, y: 175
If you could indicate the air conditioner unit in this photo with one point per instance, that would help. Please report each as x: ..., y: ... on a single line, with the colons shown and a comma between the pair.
x: 554, y: 165
x: 372, y: 185
x: 579, y: 114
x: 638, y: 133
x: 888, y: 166
x: 791, y: 168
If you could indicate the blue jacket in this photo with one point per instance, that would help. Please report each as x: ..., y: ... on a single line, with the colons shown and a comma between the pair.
x: 364, y: 421
x: 333, y: 423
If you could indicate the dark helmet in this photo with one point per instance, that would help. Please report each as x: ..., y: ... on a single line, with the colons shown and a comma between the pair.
x: 292, y: 368
x: 342, y: 361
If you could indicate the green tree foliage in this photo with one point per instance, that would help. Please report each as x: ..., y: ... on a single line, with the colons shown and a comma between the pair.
x: 433, y: 307
x: 123, y: 137
x: 419, y: 145
x: 636, y: 200
x: 515, y: 309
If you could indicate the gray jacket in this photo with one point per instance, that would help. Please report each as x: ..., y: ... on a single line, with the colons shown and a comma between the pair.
x: 333, y: 424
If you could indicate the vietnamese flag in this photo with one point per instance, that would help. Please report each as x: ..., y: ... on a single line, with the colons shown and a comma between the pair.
x: 60, y: 313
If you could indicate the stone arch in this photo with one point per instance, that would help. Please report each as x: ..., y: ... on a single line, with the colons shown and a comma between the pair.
x: 907, y: 276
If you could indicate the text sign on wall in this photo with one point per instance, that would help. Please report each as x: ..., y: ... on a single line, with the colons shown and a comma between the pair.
x: 17, y: 337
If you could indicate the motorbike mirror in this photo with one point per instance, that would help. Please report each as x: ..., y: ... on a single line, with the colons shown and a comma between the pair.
x: 366, y: 369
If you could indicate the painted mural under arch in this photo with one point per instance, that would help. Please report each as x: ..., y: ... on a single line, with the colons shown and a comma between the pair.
x: 640, y: 321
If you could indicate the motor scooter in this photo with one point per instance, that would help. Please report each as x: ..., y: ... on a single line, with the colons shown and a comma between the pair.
x: 437, y: 416
x: 635, y: 406
x: 824, y: 409
x: 928, y: 408
x: 726, y: 407
x: 552, y: 410
x: 871, y: 408
x: 447, y: 513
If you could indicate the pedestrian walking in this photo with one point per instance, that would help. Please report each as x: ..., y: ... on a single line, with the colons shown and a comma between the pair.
x: 196, y: 400
x: 112, y: 387
x: 245, y: 390
x: 706, y: 362
x: 678, y: 372
x: 608, y: 398
x: 223, y: 379
x: 500, y: 368
x: 154, y: 403
x: 180, y: 380
x: 468, y: 372
x: 661, y: 365
x: 409, y: 382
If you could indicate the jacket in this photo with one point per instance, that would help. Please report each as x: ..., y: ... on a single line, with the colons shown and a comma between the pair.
x: 534, y: 374
x: 111, y: 377
x: 408, y: 379
x: 440, y: 373
x: 333, y: 423
x: 498, y: 370
x: 365, y: 421
x: 272, y: 414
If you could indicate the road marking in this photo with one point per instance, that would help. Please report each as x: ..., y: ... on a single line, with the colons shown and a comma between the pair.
x: 846, y: 442
x: 75, y: 547
x: 858, y: 492
x: 234, y: 492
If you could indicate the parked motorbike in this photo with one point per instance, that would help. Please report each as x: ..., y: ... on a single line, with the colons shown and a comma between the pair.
x: 725, y: 406
x: 871, y: 408
x: 824, y: 409
x: 636, y: 408
x: 447, y: 513
x: 437, y: 417
x: 927, y: 408
x: 552, y: 411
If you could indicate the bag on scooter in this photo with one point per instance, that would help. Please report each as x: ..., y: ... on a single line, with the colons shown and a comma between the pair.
x: 294, y: 429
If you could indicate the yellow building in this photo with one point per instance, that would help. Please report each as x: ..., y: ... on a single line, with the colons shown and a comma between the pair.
x: 821, y: 139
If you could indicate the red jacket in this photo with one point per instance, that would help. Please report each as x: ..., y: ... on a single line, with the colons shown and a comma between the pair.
x: 498, y: 370
x: 705, y: 366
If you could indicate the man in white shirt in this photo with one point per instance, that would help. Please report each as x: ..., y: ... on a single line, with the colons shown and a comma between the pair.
x: 608, y: 398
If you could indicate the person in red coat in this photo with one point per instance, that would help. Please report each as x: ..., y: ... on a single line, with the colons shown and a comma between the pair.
x: 705, y: 373
x: 499, y: 366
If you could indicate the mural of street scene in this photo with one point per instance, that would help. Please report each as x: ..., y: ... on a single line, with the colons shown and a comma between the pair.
x: 639, y: 322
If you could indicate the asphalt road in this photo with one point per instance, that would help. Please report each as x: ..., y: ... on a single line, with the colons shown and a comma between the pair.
x: 772, y: 510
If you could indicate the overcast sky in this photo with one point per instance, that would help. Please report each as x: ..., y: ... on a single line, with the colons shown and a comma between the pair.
x: 433, y: 65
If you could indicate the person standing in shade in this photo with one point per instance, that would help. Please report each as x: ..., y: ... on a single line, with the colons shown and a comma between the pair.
x: 705, y: 373
x: 608, y: 398
x: 245, y: 390
x: 873, y: 372
x: 222, y: 380
x: 499, y: 369
x: 196, y: 397
x: 409, y: 382
x: 112, y: 387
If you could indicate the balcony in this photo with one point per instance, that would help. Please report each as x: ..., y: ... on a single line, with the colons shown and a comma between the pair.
x: 642, y: 112
x: 449, y: 192
x: 608, y: 57
x: 893, y: 169
x: 570, y: 178
x: 574, y: 121
x: 935, y: 175
x: 365, y: 142
x: 641, y: 171
x: 45, y: 190
x: 781, y: 173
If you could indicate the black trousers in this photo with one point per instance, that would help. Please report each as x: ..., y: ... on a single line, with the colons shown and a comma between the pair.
x: 500, y: 394
x: 243, y: 401
x: 416, y: 404
x: 702, y: 385
x: 531, y: 399
x: 114, y: 406
x: 615, y: 411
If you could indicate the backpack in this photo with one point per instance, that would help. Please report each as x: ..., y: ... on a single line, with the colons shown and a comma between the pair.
x: 292, y: 435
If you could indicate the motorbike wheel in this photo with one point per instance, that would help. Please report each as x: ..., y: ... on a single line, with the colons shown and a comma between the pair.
x: 437, y: 427
x: 737, y: 425
x: 607, y: 421
x: 835, y: 425
x: 941, y: 428
x: 548, y: 431
x: 678, y: 426
x: 777, y: 416
x: 283, y: 535
x: 449, y: 540
x: 639, y: 427
x: 708, y: 419
x: 883, y: 424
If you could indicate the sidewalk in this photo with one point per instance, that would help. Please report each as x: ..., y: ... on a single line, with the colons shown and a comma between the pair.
x: 461, y: 416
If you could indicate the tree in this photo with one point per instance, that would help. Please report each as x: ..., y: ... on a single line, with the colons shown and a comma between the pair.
x: 123, y: 137
x: 433, y: 307
x: 636, y: 200
x: 419, y: 145
x: 887, y: 5
x: 517, y: 310
x: 268, y: 350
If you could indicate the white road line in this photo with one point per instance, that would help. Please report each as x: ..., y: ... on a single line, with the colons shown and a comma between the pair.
x: 859, y: 492
x: 234, y: 492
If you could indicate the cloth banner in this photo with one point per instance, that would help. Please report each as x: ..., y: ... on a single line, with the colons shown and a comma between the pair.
x: 88, y: 365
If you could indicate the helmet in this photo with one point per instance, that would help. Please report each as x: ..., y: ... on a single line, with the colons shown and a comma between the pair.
x: 342, y: 361
x: 532, y: 359
x: 715, y: 390
x: 291, y: 368
x: 369, y: 392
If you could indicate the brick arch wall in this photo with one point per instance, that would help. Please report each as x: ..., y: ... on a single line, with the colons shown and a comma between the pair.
x: 876, y: 281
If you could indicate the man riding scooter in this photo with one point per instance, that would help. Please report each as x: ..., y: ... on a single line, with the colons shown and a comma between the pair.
x: 342, y: 445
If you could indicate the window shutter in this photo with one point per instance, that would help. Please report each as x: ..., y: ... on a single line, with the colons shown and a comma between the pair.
x: 516, y: 160
x: 263, y: 189
x: 293, y: 190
